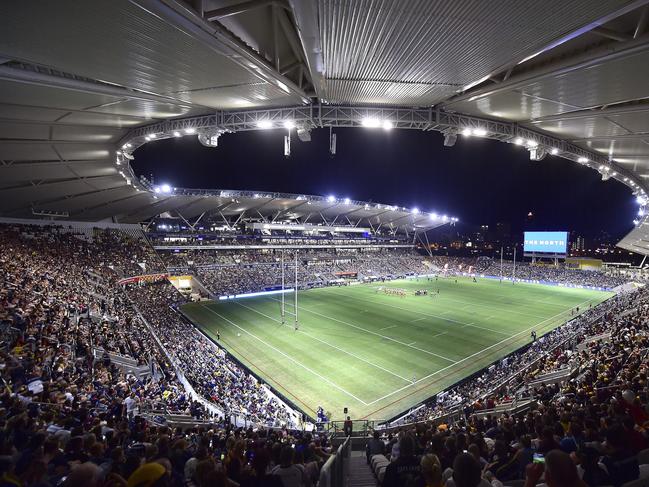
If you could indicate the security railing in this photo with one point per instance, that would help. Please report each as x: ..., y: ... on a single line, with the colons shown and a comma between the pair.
x: 335, y: 472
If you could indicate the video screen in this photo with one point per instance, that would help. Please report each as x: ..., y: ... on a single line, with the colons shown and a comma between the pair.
x: 548, y: 242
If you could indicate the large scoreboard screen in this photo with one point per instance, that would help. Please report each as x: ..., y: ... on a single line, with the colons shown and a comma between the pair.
x: 546, y: 242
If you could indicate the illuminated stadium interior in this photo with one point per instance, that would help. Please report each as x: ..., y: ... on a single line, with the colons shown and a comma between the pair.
x: 156, y: 334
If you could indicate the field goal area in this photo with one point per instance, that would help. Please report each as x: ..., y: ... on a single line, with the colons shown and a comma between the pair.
x: 381, y: 348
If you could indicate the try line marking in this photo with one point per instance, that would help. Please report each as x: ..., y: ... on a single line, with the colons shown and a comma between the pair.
x: 472, y: 355
x: 328, y: 344
x: 287, y: 356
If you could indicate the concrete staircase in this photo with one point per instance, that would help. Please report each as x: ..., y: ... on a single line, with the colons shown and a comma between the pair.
x: 360, y: 473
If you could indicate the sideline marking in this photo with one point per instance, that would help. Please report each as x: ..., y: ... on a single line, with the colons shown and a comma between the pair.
x: 470, y: 356
x: 287, y: 356
x: 329, y: 344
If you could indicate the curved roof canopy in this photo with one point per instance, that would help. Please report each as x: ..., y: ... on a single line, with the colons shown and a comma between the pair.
x: 83, y: 84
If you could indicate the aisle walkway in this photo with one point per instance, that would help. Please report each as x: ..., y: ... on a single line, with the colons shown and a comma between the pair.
x: 360, y: 474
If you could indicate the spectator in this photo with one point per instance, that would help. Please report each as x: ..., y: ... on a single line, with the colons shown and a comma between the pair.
x: 404, y: 471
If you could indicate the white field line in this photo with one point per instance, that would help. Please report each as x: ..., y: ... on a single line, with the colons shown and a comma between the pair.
x: 530, y: 300
x: 439, y: 334
x: 288, y: 357
x: 387, y: 327
x: 328, y: 344
x: 410, y: 345
x: 418, y: 319
x: 471, y: 356
x: 429, y: 315
x: 469, y: 305
x: 373, y: 333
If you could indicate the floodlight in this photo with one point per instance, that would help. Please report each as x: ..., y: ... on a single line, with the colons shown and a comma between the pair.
x: 518, y: 141
x: 537, y: 153
x: 165, y: 188
x: 640, y: 200
x: 554, y: 151
x: 415, y: 211
x: 371, y: 123
x: 532, y: 143
x: 466, y: 132
x: 156, y: 189
x: 641, y: 212
x: 582, y: 160
x: 433, y: 216
x: 152, y: 136
x: 264, y: 124
x: 347, y: 201
x: 387, y: 125
x: 289, y: 124
x: 444, y: 217
x: 479, y: 132
x: 147, y: 138
x: 331, y: 198
x: 176, y: 134
x: 190, y: 130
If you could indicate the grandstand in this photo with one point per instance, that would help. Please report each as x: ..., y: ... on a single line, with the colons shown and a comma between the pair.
x: 153, y: 335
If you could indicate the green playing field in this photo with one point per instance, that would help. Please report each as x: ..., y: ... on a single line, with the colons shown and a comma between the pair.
x: 380, y: 354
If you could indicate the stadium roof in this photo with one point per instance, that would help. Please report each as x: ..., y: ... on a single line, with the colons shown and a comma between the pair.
x: 81, y: 80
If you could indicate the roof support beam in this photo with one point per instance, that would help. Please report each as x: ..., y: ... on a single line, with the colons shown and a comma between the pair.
x: 238, y: 8
x: 511, y: 65
x: 614, y: 137
x: 221, y: 40
x: 562, y: 67
x: 42, y: 79
x: 611, y: 34
x: 642, y: 22
x: 603, y: 112
x: 306, y: 23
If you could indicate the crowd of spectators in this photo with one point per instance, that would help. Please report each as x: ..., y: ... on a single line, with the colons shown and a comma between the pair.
x: 206, y: 366
x: 71, y: 415
x: 237, y: 272
x: 591, y: 428
x: 559, y: 274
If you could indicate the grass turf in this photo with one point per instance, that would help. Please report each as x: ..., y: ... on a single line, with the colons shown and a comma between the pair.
x: 380, y: 354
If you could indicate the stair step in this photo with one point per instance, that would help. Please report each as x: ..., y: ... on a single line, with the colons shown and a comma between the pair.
x: 360, y: 473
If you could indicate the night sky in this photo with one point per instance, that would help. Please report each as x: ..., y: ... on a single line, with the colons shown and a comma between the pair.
x: 479, y: 181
